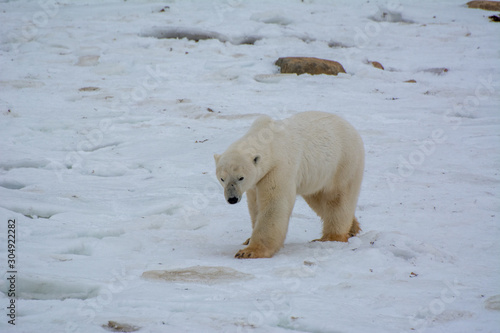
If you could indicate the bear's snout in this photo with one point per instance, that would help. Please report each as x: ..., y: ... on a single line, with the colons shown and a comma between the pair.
x: 232, y: 200
x: 232, y: 193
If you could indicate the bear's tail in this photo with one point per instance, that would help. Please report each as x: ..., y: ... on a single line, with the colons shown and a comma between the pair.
x: 355, y: 228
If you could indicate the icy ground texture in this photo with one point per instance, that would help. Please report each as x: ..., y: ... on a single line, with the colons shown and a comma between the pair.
x: 108, y: 127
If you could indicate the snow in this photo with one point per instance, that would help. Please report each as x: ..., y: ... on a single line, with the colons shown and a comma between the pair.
x: 107, y: 134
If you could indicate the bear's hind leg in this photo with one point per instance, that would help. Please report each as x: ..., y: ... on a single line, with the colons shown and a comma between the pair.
x: 336, y: 237
x: 355, y: 228
x: 337, y: 215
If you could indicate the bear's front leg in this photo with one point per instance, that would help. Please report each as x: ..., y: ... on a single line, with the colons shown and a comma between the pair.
x: 253, y: 208
x: 275, y: 204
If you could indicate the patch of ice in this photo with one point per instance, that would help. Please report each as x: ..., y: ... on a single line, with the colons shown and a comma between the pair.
x: 51, y: 288
x: 198, y: 274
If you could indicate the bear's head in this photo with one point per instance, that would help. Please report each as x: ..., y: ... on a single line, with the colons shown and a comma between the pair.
x: 236, y: 173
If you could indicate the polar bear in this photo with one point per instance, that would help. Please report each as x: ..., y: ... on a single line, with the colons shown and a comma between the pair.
x: 317, y: 155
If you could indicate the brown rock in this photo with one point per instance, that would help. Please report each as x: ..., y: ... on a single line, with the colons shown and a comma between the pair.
x: 486, y: 5
x: 410, y: 81
x: 114, y: 326
x: 303, y: 65
x: 377, y: 64
x: 89, y: 89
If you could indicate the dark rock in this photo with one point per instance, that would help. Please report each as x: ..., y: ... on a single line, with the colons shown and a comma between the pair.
x: 89, y: 89
x: 486, y: 5
x: 313, y: 66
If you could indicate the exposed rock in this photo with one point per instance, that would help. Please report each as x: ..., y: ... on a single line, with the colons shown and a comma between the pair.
x: 377, y: 64
x: 314, y: 66
x: 114, y: 326
x: 437, y: 70
x: 486, y: 5
x: 410, y: 81
x: 89, y: 89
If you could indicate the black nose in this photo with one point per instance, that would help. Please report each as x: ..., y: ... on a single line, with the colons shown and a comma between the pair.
x: 232, y: 200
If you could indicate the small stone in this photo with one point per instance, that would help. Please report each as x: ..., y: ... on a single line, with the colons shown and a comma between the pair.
x: 89, y: 89
x: 114, y: 326
x: 377, y: 64
x: 437, y: 70
x: 410, y: 81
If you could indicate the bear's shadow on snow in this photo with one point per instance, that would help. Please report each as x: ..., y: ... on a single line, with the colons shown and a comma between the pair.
x: 401, y: 247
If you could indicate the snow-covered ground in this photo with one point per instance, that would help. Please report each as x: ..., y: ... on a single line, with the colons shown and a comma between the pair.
x: 107, y: 133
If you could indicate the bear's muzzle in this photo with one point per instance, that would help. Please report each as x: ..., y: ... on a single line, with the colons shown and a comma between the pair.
x: 232, y: 194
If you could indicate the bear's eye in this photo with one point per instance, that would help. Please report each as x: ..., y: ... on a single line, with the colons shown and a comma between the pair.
x: 222, y: 180
x: 241, y: 178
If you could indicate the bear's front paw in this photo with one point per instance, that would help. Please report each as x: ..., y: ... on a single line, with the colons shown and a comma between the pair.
x: 252, y: 252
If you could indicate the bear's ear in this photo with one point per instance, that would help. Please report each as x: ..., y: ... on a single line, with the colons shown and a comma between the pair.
x: 216, y: 158
x: 256, y: 159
